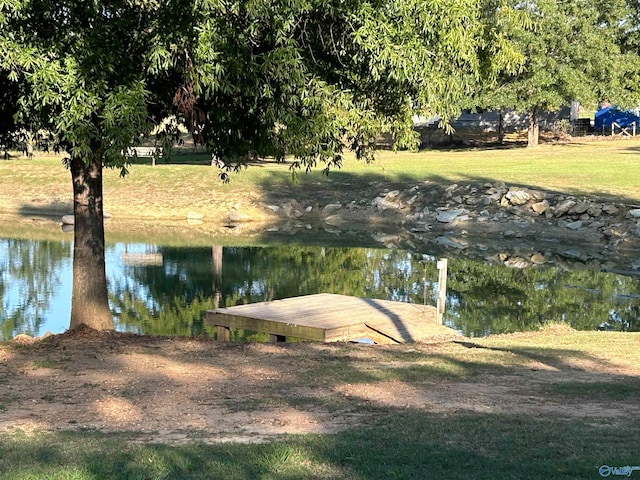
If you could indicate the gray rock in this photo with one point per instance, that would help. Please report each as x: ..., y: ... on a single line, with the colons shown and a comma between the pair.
x: 517, y: 196
x: 68, y: 220
x: 580, y: 208
x: 421, y: 228
x: 412, y: 200
x: 594, y: 210
x: 574, y: 225
x: 449, y: 216
x: 495, y: 196
x: 537, y: 195
x: 382, y: 203
x: 452, y: 242
x: 635, y: 213
x: 287, y: 209
x: 574, y: 253
x: 238, y: 217
x: 392, y: 194
x: 412, y: 217
x: 331, y: 208
x: 274, y: 208
x: 563, y: 207
x: 610, y: 209
x: 450, y: 189
x: 614, y: 231
x: 335, y: 220
x: 521, y: 223
x: 540, y: 207
x: 517, y: 262
x: 538, y: 259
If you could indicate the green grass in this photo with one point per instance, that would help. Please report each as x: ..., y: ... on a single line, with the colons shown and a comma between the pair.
x: 44, y: 363
x: 404, y: 445
x: 606, y: 391
x: 597, y: 168
x: 606, y: 168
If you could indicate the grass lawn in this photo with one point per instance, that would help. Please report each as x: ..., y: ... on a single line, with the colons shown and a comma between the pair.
x: 607, y: 168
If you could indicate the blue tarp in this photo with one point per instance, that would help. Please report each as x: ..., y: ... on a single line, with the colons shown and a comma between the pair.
x: 607, y: 116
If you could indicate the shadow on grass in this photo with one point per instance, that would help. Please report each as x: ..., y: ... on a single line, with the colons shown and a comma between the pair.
x: 52, y: 210
x: 404, y: 444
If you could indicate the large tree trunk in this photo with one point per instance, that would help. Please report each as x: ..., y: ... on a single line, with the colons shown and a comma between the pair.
x: 89, y: 301
x: 534, y: 128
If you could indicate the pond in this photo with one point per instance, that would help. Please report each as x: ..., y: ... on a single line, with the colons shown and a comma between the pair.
x: 165, y: 290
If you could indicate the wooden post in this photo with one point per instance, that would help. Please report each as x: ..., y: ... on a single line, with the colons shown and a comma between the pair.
x: 273, y: 338
x: 224, y: 333
x: 442, y: 288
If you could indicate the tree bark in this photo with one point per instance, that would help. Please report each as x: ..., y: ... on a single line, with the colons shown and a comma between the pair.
x: 534, y: 128
x: 501, y: 126
x: 89, y: 300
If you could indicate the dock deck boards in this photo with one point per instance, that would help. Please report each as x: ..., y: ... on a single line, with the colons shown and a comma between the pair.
x: 328, y: 317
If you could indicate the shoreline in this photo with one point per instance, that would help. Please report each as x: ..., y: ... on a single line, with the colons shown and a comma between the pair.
x: 515, y: 226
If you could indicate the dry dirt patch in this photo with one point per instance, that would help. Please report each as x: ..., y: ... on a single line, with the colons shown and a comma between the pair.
x: 178, y: 390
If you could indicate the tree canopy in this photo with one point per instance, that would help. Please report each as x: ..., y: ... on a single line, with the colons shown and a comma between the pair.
x: 305, y: 78
x: 573, y: 51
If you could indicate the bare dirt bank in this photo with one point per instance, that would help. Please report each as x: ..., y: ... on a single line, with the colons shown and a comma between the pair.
x: 181, y: 390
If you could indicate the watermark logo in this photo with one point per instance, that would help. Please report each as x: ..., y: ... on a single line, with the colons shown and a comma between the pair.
x: 606, y: 470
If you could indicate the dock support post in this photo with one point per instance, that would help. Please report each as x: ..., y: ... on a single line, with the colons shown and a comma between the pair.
x: 223, y: 333
x: 273, y: 338
x: 442, y: 288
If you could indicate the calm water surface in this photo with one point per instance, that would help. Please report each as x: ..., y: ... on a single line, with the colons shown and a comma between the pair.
x: 156, y: 289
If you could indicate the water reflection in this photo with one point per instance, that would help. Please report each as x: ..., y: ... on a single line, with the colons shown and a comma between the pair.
x: 165, y: 290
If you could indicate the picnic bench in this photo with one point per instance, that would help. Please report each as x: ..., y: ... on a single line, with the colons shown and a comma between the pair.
x: 141, y: 152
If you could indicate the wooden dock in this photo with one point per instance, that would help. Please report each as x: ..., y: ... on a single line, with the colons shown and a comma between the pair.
x: 328, y: 318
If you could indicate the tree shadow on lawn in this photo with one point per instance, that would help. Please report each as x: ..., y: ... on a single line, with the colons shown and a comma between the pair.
x: 341, y: 185
x: 53, y: 210
x: 405, y: 444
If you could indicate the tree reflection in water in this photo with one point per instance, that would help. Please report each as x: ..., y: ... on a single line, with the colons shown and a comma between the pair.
x: 167, y: 290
